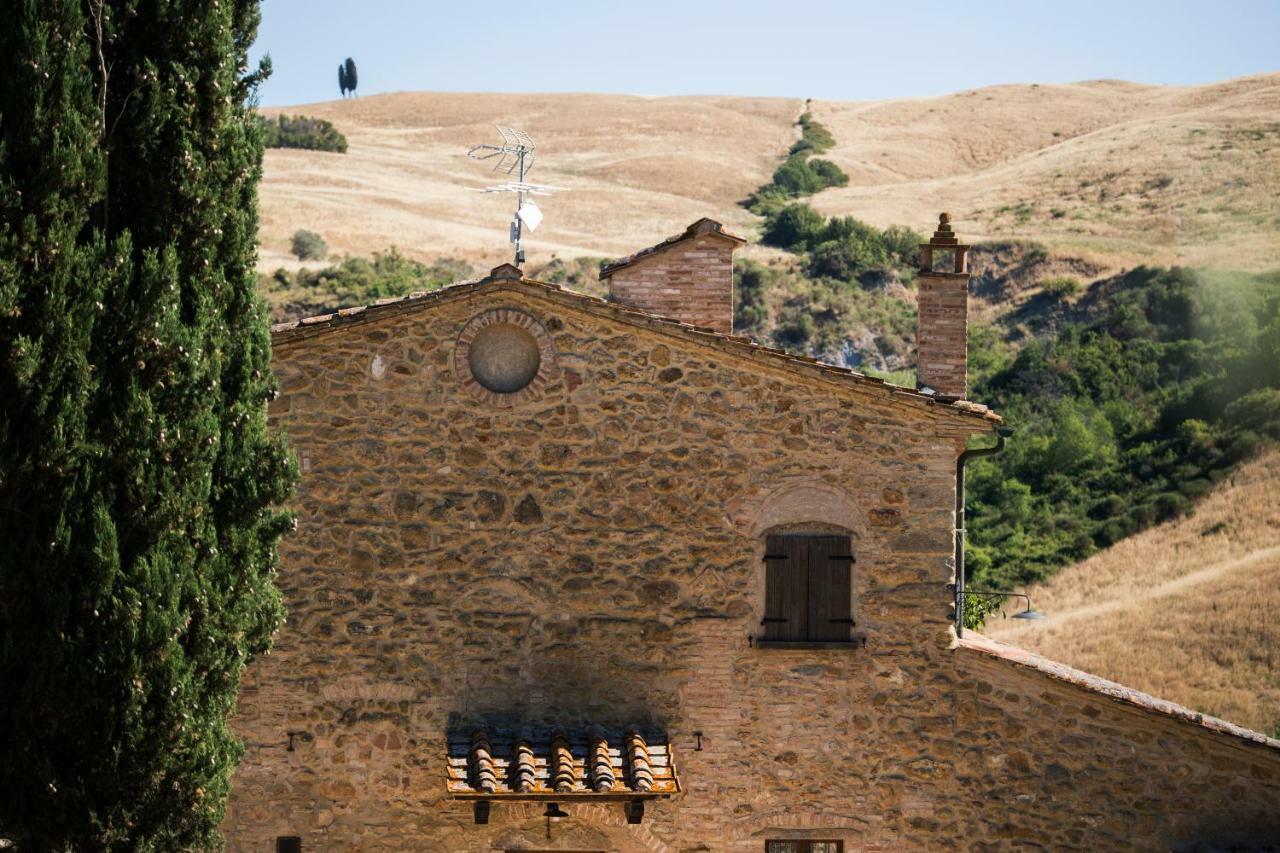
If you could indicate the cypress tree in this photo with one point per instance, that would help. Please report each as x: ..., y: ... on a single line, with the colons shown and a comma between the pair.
x: 139, y: 483
x: 342, y: 78
x: 350, y: 67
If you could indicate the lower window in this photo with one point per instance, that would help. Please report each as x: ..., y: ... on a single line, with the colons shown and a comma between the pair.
x: 804, y: 847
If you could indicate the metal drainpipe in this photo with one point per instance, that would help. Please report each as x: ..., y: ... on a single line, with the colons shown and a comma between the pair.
x: 1002, y: 433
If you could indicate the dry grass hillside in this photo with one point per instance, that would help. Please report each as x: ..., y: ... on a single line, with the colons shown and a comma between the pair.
x: 635, y: 169
x: 1134, y: 173
x: 1186, y: 611
x: 1119, y: 172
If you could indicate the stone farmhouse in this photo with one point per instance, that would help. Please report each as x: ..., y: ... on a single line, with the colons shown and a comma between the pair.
x: 585, y: 574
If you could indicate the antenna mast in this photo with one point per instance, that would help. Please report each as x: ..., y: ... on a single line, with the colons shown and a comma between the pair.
x: 515, y: 159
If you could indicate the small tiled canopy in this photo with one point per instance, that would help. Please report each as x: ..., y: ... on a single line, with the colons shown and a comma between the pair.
x: 560, y: 765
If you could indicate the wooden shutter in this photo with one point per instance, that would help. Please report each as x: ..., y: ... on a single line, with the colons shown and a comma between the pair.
x: 786, y: 614
x: 830, y: 561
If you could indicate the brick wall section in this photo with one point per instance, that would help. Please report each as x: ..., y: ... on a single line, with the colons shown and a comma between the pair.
x: 941, y: 338
x: 690, y: 281
x: 595, y: 555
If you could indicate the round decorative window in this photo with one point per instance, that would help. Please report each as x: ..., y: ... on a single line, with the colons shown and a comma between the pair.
x: 504, y: 357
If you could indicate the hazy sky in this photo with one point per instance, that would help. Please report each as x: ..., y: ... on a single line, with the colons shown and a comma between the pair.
x: 828, y: 50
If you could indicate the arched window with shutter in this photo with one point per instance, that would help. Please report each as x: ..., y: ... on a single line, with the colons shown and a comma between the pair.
x: 808, y: 595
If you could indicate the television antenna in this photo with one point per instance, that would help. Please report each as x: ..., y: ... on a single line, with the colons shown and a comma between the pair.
x: 514, y: 159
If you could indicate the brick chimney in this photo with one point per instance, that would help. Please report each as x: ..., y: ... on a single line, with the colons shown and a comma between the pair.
x: 688, y: 277
x: 942, y: 349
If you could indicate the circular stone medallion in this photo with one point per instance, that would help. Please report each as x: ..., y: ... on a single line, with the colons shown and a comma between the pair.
x: 503, y: 356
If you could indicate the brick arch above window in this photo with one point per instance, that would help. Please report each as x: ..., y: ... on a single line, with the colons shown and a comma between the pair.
x: 800, y: 502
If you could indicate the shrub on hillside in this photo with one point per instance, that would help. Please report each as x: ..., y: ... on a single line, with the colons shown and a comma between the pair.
x: 795, y: 227
x: 359, y: 281
x: 308, y: 245
x: 814, y: 137
x: 1061, y: 286
x: 312, y: 134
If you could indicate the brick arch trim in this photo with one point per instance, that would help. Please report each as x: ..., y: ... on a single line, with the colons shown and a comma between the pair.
x: 800, y: 501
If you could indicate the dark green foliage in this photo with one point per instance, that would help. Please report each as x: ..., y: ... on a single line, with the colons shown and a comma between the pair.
x: 796, y: 227
x: 1125, y: 418
x: 349, y: 73
x: 308, y: 245
x: 342, y: 79
x: 800, y: 175
x: 138, y: 478
x: 841, y: 247
x: 312, y: 134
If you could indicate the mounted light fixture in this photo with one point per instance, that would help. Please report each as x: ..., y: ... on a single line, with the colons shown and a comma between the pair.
x: 554, y: 814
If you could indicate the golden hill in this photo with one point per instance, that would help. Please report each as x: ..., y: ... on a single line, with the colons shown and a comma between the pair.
x: 1152, y: 174
x: 1185, y: 611
x: 1120, y: 172
x: 635, y: 169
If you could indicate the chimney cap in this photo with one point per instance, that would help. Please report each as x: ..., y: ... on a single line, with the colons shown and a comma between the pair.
x: 944, y: 236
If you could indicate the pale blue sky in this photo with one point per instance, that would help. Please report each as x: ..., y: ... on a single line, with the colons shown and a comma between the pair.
x: 820, y: 49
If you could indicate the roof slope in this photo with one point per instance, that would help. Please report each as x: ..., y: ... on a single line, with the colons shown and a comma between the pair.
x: 703, y: 226
x: 1143, y: 701
x: 509, y: 278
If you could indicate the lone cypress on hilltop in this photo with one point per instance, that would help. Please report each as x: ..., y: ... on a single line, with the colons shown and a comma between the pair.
x: 139, y: 483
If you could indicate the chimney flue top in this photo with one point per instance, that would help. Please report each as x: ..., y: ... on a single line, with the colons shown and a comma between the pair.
x: 945, y: 240
x: 944, y: 236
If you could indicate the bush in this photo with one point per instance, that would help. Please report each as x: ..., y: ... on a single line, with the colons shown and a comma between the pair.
x: 1258, y: 411
x: 308, y: 245
x: 1061, y: 286
x: 814, y: 137
x: 828, y: 173
x: 312, y: 134
x: 794, y: 227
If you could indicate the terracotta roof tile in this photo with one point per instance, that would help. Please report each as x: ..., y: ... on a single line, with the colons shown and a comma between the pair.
x: 559, y: 765
x: 702, y: 226
x: 286, y: 334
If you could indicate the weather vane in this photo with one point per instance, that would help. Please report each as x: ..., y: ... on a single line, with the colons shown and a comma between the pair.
x: 514, y: 159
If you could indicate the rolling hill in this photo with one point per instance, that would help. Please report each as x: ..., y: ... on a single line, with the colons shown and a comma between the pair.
x: 1121, y: 172
x: 1185, y: 610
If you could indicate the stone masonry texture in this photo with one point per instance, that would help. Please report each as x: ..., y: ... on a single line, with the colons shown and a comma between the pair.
x: 593, y: 555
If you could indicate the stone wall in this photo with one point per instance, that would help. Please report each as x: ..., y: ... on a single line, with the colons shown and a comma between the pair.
x: 593, y: 555
x: 690, y: 281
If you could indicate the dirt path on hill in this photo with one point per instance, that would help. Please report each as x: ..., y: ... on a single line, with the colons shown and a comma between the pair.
x: 1179, y: 584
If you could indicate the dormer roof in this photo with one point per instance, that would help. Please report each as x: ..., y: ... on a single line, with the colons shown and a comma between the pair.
x: 703, y: 226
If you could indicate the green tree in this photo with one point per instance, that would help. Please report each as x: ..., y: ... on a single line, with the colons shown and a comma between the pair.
x: 349, y: 68
x: 795, y: 227
x: 308, y: 245
x: 139, y: 483
x: 342, y: 78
